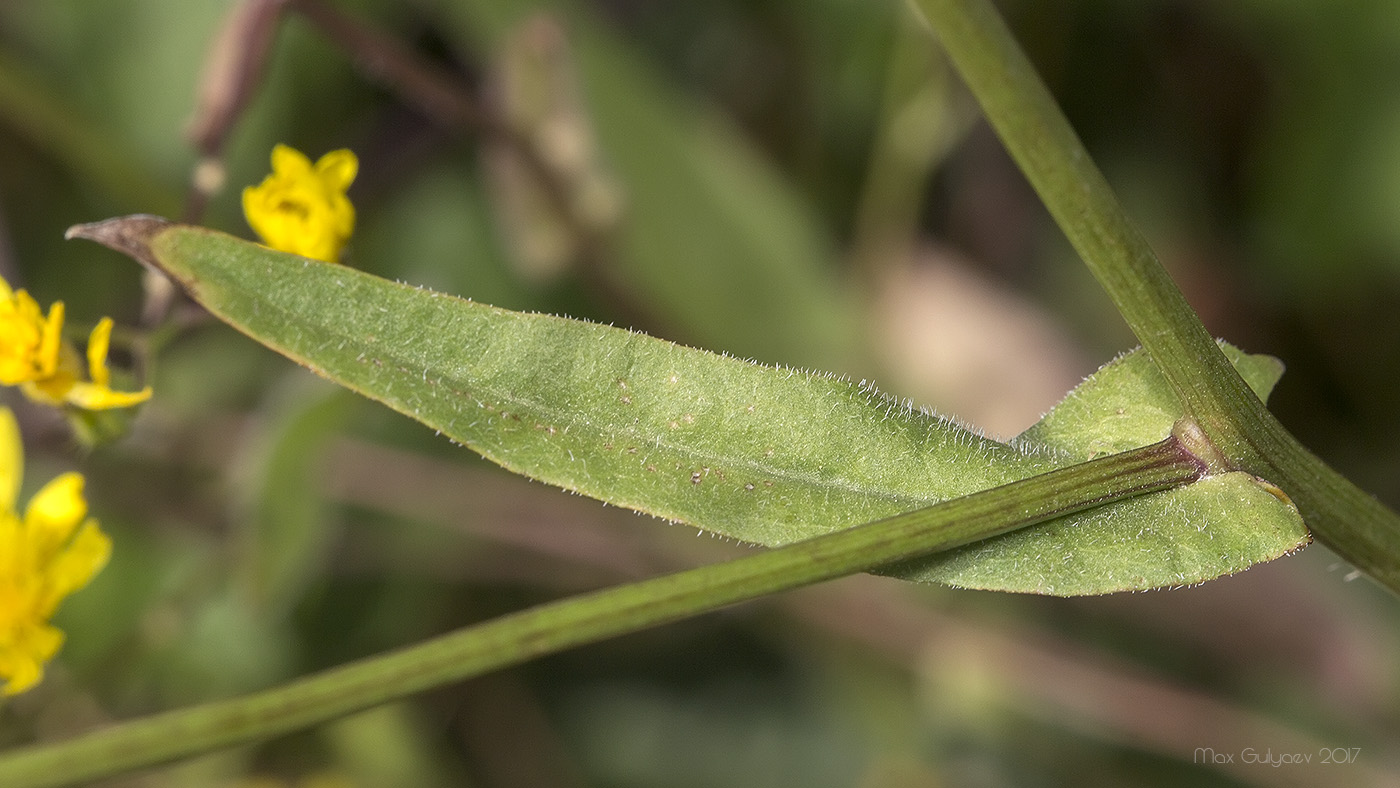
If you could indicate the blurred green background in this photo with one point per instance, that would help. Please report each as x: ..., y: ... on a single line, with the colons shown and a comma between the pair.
x: 801, y: 183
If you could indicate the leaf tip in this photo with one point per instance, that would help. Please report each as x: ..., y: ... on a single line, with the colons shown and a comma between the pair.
x: 130, y: 235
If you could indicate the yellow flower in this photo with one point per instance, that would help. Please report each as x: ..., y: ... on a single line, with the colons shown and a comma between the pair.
x: 29, y: 342
x: 54, y: 550
x: 301, y: 208
x: 34, y: 356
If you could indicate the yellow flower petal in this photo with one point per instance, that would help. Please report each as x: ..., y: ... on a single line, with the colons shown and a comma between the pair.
x: 98, y: 342
x: 74, y: 567
x: 14, y: 558
x: 90, y: 396
x: 52, y: 390
x: 11, y: 461
x: 52, y: 341
x: 22, y: 660
x: 337, y: 169
x: 54, y: 514
x: 288, y: 162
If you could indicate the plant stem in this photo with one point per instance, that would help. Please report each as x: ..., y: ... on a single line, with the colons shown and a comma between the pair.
x: 1213, y: 395
x: 588, y: 618
x: 1040, y: 139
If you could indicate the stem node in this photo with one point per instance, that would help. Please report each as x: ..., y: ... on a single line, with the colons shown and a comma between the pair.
x: 1192, y: 438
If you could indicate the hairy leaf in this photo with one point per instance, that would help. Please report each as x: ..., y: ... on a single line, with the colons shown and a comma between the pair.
x: 760, y: 454
x: 1219, y: 525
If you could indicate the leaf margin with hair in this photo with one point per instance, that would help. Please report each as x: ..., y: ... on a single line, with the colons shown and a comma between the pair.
x: 759, y: 454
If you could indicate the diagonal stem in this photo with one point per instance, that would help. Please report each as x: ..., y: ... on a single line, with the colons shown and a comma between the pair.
x: 1213, y: 395
x: 589, y: 618
x: 1048, y: 151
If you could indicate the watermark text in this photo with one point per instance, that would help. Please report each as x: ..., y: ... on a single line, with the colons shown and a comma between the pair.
x: 1268, y: 757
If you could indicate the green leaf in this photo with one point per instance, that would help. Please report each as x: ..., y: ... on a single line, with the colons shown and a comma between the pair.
x: 1217, y: 526
x: 760, y: 454
x: 1128, y: 404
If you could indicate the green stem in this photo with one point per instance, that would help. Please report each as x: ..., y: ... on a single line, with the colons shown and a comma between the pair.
x: 1040, y: 139
x: 588, y: 618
